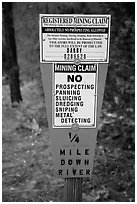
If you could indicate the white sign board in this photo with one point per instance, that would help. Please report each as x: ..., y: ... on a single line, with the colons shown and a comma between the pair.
x: 70, y: 38
x: 74, y: 54
x: 74, y: 95
x: 73, y: 149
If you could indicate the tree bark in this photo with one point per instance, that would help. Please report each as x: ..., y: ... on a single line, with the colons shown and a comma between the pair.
x: 9, y: 35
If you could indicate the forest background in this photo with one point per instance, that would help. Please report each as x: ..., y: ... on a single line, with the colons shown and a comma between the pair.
x: 27, y: 156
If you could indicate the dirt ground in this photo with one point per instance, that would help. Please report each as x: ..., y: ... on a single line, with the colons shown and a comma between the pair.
x: 27, y: 160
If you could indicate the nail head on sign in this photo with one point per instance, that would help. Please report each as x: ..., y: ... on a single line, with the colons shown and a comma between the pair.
x: 77, y: 61
x: 75, y: 126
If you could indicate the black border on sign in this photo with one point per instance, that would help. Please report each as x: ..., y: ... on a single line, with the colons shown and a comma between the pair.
x: 108, y: 41
x: 95, y: 61
x: 53, y: 101
x: 42, y: 41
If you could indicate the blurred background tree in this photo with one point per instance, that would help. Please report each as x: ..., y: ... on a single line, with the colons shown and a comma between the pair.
x: 10, y: 55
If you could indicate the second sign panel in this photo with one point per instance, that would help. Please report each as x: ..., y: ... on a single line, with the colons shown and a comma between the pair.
x: 74, y: 89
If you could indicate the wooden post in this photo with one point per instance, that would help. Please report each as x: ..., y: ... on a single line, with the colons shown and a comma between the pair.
x: 73, y: 190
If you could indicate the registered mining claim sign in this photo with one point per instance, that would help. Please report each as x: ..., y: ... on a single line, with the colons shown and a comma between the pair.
x: 75, y: 92
x: 79, y: 37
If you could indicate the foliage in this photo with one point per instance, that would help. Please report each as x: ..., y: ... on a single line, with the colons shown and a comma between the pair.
x: 121, y: 76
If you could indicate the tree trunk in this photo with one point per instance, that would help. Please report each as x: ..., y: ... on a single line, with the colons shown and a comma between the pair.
x: 9, y: 35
